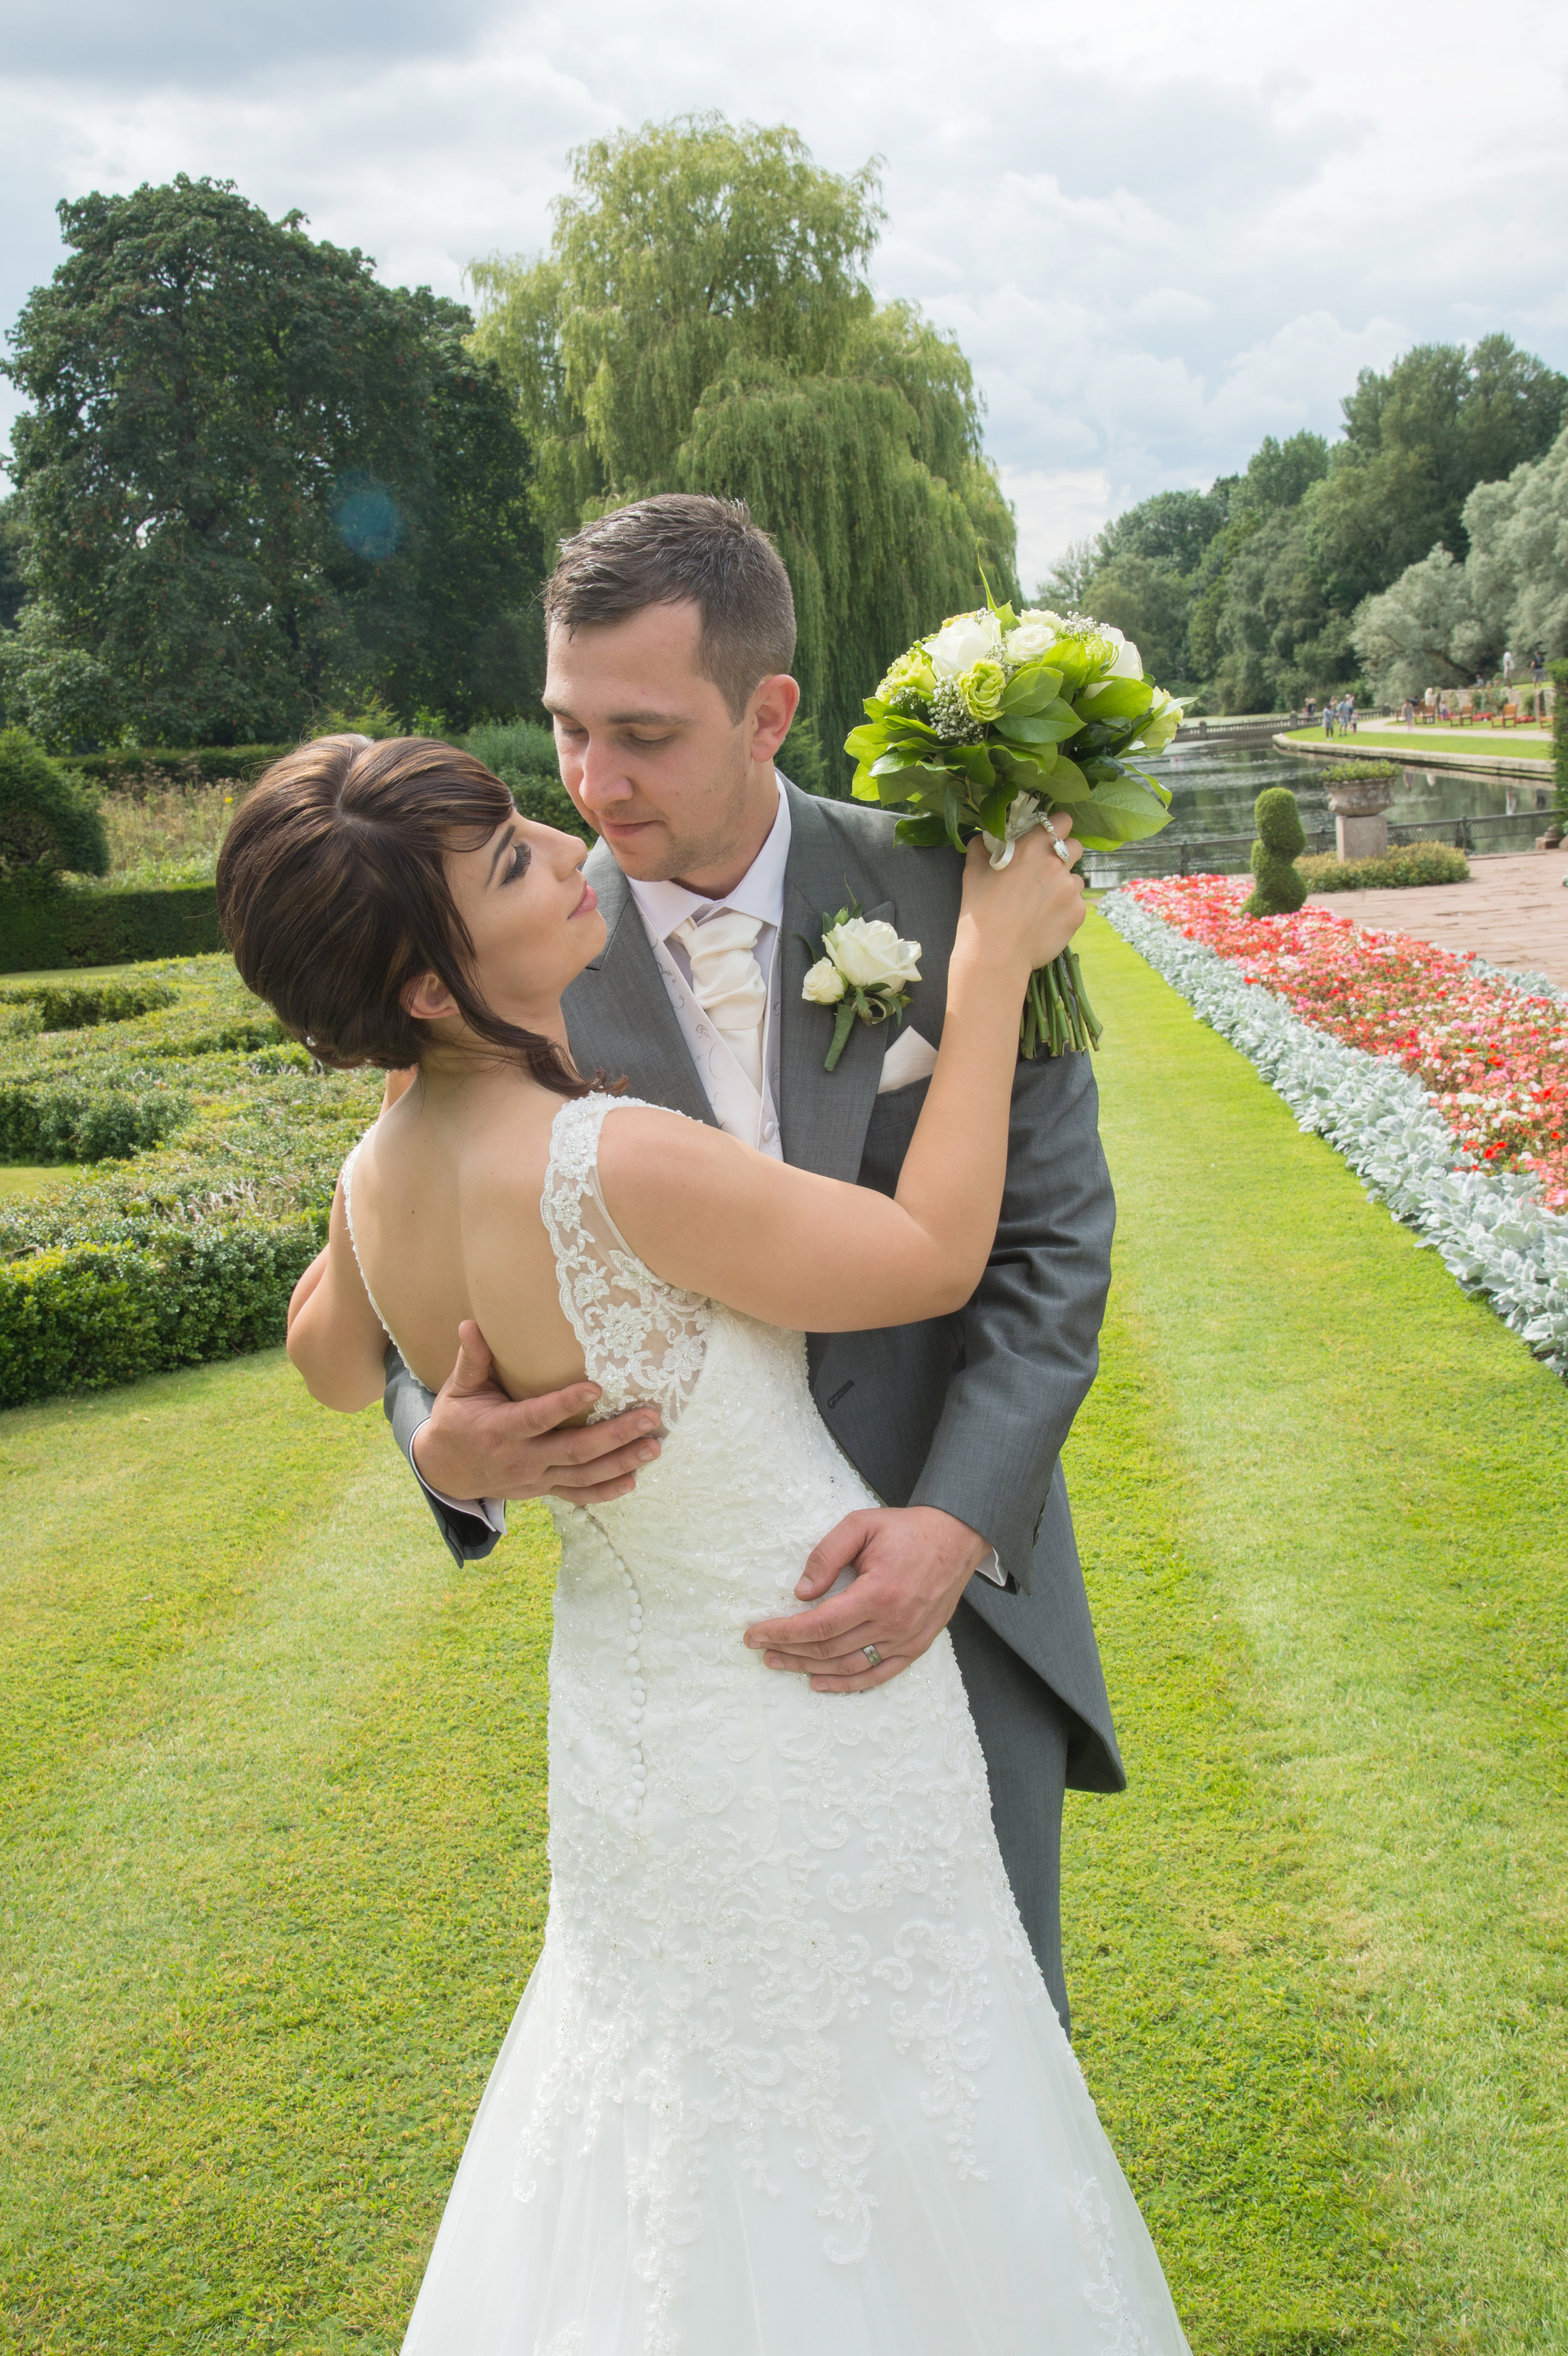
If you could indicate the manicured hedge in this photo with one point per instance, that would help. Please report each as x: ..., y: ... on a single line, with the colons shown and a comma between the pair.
x: 86, y: 1316
x: 1409, y: 864
x: 198, y: 764
x: 79, y: 927
x: 219, y: 1141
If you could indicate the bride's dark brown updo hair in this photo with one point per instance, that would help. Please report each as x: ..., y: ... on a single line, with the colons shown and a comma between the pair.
x: 333, y: 895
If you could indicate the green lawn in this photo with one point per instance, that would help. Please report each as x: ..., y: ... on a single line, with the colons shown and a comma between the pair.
x: 22, y: 1182
x: 1488, y: 741
x: 273, y: 1868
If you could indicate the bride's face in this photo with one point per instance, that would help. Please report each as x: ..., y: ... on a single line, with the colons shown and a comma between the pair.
x: 533, y: 921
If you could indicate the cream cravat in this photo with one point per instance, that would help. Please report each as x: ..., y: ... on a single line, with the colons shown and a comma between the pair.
x: 727, y: 982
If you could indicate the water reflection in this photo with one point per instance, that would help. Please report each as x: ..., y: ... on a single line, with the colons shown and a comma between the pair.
x: 1213, y: 789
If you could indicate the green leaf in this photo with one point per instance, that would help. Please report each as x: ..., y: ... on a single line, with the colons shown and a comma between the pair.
x: 975, y: 764
x: 925, y: 831
x: 1067, y: 782
x: 1032, y: 688
x: 1027, y: 728
x: 993, y: 811
x: 950, y: 816
x: 1115, y: 699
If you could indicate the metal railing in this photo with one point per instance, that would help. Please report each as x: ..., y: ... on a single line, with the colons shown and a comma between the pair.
x: 1230, y: 854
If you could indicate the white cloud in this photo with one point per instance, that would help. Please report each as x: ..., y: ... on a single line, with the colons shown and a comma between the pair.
x: 1054, y: 508
x: 1159, y: 234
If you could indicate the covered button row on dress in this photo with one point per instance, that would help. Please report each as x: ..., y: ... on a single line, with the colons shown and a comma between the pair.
x: 634, y: 1672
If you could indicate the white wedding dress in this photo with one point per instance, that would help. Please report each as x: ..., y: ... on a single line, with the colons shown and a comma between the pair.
x: 786, y: 2080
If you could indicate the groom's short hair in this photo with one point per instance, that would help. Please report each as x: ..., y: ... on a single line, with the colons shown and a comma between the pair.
x: 684, y: 547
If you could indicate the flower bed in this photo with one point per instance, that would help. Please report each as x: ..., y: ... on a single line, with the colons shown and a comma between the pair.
x: 1443, y: 1083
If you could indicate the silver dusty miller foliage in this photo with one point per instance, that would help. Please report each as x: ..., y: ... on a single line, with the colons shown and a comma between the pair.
x: 1490, y: 1228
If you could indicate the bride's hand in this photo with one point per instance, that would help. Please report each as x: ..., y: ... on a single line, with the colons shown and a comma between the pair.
x: 1023, y: 914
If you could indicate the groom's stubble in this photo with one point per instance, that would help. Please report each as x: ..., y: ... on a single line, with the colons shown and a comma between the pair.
x: 677, y: 787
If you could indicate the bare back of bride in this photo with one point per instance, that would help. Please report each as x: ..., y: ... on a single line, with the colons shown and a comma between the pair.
x: 786, y: 2076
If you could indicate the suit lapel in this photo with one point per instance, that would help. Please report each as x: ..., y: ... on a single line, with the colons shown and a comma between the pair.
x: 823, y: 1116
x: 618, y: 1015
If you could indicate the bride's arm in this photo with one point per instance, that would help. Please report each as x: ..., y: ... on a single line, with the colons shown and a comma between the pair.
x: 334, y: 1337
x: 796, y: 1250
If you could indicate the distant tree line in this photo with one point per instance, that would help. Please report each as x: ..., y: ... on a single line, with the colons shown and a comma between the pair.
x: 1267, y: 586
x: 255, y: 487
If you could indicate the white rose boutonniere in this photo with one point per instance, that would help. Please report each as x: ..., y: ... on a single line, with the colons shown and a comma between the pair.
x: 864, y: 969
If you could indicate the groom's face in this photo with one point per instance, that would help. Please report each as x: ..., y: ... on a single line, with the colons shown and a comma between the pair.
x: 652, y: 757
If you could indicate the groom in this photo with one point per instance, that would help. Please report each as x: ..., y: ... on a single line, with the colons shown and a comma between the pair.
x: 671, y: 631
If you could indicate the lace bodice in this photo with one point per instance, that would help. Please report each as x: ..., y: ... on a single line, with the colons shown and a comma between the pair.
x: 641, y: 1339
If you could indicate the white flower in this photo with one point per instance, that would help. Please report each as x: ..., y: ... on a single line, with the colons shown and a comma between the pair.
x: 824, y: 985
x: 962, y: 641
x: 1042, y: 614
x: 1031, y: 639
x: 870, y: 955
x: 1127, y: 664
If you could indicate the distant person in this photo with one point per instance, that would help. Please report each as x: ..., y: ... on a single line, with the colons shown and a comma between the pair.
x: 1407, y: 712
x: 1443, y: 712
x: 1311, y: 708
x: 1537, y: 669
x: 1507, y: 668
x: 1350, y: 714
x: 1327, y: 717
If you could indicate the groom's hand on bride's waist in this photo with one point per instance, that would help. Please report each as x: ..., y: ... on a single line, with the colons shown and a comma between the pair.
x: 480, y: 1443
x: 912, y: 1563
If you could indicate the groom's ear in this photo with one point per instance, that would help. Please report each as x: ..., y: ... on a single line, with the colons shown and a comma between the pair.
x: 427, y: 999
x: 774, y: 704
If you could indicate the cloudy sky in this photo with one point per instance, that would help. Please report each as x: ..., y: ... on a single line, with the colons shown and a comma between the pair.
x: 1160, y: 229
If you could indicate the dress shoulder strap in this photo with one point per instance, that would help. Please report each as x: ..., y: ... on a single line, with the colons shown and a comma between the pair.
x: 641, y: 1338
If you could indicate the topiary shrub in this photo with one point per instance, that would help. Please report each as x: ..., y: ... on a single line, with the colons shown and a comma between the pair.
x: 49, y: 820
x: 1279, y: 890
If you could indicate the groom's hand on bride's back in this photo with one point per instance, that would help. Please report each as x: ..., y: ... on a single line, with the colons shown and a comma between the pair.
x: 480, y: 1443
x: 912, y: 1564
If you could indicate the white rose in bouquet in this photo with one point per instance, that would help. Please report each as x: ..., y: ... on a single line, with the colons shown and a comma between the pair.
x: 964, y: 640
x: 1031, y: 639
x: 869, y: 954
x: 1128, y: 663
x: 824, y: 985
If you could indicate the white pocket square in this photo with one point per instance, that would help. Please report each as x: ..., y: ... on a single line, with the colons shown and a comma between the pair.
x: 910, y: 1058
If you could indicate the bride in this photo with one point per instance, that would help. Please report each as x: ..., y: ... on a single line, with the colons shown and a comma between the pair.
x: 785, y: 2077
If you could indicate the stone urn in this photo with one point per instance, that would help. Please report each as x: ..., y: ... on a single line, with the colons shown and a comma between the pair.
x: 1361, y: 829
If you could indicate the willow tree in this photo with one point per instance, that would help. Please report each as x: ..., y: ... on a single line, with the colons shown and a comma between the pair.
x: 702, y: 322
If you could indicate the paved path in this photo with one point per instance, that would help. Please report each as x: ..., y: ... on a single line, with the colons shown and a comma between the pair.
x: 1513, y: 910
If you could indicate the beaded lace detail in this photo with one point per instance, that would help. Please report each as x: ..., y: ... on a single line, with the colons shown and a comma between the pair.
x: 641, y: 1339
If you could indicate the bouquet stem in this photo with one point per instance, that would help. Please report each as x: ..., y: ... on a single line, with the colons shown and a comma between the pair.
x: 1058, y: 1019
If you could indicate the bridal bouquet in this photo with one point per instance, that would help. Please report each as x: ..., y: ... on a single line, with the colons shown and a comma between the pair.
x: 996, y: 722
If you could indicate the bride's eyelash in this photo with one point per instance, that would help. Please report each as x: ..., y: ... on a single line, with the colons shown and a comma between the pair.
x: 521, y: 855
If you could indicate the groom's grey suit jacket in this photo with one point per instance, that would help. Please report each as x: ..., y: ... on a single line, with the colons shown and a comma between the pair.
x: 967, y: 1412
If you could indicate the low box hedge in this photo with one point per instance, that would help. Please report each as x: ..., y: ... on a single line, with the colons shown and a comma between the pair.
x: 191, y: 765
x: 41, y: 930
x: 219, y: 1141
x: 1410, y: 863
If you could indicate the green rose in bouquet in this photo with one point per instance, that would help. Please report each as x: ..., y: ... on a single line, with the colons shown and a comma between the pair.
x: 994, y: 723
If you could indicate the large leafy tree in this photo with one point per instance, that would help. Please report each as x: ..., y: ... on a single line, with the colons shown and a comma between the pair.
x: 1417, y: 441
x: 702, y: 322
x: 256, y: 479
